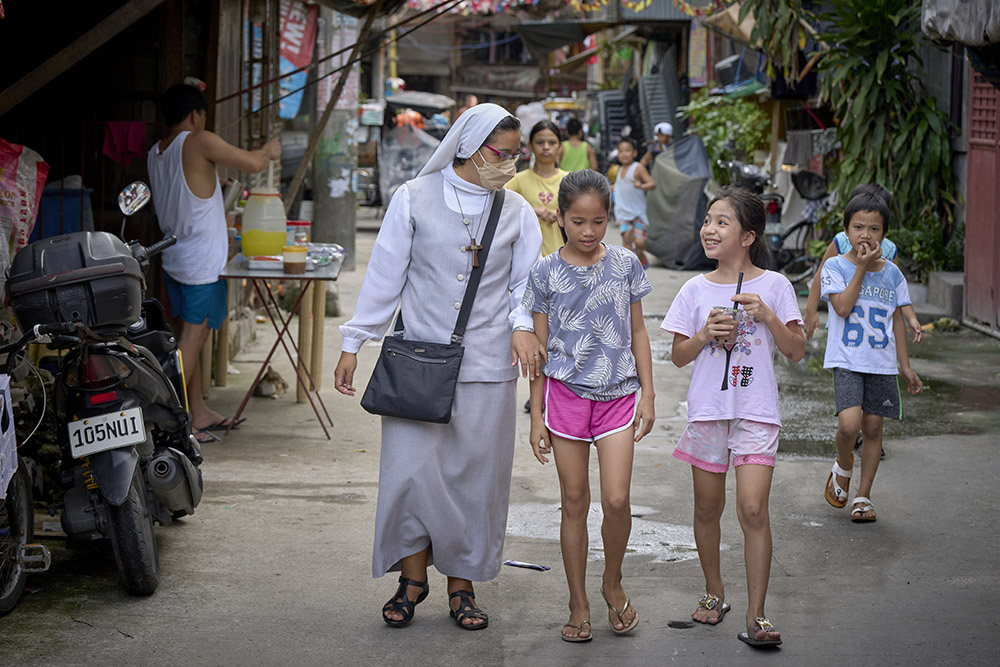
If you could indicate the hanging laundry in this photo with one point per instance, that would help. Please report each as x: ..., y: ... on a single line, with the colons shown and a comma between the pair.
x: 124, y: 140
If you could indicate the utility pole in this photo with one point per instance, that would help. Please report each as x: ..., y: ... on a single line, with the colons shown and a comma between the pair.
x: 335, y: 153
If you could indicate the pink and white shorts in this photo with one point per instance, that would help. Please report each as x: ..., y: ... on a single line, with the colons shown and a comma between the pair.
x: 707, y: 445
x: 569, y: 416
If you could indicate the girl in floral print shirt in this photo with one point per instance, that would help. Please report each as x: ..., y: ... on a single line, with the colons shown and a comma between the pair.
x: 586, y: 300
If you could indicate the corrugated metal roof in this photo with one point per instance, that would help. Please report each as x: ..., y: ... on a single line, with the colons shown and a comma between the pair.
x: 659, y: 10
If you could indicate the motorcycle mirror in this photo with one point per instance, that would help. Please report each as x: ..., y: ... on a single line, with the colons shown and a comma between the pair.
x: 134, y: 197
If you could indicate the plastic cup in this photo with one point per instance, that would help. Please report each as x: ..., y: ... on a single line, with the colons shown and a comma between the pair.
x: 734, y: 314
x: 294, y: 259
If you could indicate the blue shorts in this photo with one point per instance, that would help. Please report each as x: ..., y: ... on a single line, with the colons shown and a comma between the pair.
x: 196, y: 303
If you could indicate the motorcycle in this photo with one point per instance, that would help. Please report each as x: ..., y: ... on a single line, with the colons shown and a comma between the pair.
x: 129, y: 458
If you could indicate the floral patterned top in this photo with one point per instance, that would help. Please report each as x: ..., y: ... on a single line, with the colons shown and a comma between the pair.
x: 590, y: 325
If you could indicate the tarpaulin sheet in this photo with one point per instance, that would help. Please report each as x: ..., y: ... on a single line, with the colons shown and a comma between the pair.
x: 969, y: 22
x: 676, y: 207
x: 402, y: 154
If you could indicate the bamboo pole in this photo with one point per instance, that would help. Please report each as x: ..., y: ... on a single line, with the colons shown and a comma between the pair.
x: 318, y: 324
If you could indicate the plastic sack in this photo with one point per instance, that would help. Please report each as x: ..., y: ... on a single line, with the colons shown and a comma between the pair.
x: 8, y: 443
x: 969, y: 22
x: 22, y: 175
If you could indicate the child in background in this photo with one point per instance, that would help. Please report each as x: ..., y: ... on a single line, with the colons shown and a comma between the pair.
x: 586, y: 300
x: 664, y: 133
x: 865, y: 294
x: 630, y: 185
x: 540, y: 184
x: 575, y: 153
x: 740, y: 419
x: 840, y: 245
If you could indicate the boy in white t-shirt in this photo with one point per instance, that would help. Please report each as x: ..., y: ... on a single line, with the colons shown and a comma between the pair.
x: 865, y: 294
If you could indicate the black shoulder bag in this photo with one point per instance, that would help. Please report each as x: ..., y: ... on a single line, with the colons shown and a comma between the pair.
x: 414, y: 379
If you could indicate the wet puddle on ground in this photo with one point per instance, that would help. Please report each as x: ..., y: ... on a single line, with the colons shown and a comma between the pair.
x: 662, y: 542
x: 961, y: 375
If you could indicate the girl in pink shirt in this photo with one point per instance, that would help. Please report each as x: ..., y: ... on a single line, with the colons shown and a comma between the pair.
x: 733, y: 397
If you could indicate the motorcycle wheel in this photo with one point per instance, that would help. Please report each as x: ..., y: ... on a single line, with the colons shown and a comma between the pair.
x: 133, y: 541
x: 17, y: 528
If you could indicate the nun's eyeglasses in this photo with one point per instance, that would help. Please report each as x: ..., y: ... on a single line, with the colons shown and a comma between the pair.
x: 504, y: 156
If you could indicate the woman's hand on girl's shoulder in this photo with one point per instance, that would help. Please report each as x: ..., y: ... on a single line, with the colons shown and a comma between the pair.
x: 645, y: 415
x: 540, y: 439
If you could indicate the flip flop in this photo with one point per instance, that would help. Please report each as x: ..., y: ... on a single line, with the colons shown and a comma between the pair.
x: 578, y: 638
x: 866, y: 506
x: 709, y: 601
x: 839, y: 497
x: 205, y: 436
x: 628, y: 628
x: 224, y: 423
x: 765, y: 625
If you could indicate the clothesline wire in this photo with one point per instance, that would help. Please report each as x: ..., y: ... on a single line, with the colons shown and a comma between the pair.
x: 315, y: 64
x: 351, y: 63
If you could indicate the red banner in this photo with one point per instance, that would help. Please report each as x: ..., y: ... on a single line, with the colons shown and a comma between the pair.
x: 298, y: 31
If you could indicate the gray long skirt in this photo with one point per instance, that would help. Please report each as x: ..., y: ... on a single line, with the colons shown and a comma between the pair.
x: 448, y: 485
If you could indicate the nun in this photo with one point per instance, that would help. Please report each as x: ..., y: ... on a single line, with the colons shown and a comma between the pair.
x: 444, y: 488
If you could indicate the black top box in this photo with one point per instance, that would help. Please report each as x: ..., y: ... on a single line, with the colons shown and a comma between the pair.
x: 88, y: 277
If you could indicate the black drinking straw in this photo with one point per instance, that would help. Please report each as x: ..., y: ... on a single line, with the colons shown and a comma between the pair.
x: 729, y: 349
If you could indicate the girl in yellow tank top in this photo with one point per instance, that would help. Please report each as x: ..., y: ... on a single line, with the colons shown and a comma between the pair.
x: 540, y: 184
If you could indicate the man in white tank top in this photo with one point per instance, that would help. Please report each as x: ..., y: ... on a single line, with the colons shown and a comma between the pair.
x: 188, y: 202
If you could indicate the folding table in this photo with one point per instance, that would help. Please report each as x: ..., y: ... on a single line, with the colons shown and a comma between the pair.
x: 309, y: 351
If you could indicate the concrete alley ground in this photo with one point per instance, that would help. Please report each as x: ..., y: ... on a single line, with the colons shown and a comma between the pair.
x: 274, y: 566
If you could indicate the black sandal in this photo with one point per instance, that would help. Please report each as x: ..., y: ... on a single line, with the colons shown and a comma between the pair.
x: 402, y: 604
x: 467, y: 609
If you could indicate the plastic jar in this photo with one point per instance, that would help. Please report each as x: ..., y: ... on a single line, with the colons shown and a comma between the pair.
x: 264, y: 223
x: 294, y: 257
x: 298, y: 232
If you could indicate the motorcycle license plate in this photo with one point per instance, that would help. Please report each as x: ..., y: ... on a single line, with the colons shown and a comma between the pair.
x: 110, y: 431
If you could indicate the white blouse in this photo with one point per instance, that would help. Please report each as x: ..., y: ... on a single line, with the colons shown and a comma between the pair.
x: 390, y: 258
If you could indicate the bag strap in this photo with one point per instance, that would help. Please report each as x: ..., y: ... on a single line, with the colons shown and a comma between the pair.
x: 477, y: 273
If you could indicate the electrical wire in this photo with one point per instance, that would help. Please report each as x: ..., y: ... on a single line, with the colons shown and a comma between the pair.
x: 342, y: 67
x: 41, y: 417
x: 313, y: 65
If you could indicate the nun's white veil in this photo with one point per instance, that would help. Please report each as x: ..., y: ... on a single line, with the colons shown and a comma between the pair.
x: 465, y: 136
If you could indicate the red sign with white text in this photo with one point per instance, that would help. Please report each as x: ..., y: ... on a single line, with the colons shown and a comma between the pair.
x: 298, y: 31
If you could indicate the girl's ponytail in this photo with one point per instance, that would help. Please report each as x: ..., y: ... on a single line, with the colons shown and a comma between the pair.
x: 752, y: 216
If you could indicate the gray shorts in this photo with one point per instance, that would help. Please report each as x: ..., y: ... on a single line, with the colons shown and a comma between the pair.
x: 876, y: 394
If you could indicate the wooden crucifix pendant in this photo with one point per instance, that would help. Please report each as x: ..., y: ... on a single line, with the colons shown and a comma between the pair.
x: 475, y: 252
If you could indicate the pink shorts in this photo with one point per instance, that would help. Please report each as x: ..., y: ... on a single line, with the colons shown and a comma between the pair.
x: 707, y: 445
x: 569, y: 416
